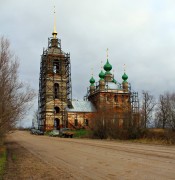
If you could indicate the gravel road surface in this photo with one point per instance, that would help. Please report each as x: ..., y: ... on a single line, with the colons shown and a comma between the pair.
x: 100, y: 159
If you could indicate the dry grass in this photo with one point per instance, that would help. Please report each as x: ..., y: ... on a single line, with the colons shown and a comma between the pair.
x: 157, y: 136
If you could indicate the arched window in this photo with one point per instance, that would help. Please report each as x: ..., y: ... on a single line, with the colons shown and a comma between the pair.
x: 56, y: 66
x: 116, y: 98
x: 86, y: 122
x: 107, y: 98
x: 57, y: 109
x: 56, y: 90
x: 76, y: 122
x: 123, y: 98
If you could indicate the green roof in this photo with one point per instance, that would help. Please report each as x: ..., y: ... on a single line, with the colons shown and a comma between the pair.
x: 101, y: 75
x: 107, y: 66
x: 125, y: 77
x: 92, y: 81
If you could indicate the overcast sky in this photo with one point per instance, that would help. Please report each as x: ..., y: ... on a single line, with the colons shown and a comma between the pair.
x: 138, y: 33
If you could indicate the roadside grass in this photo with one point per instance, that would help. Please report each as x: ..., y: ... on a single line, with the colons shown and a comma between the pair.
x: 157, y: 136
x: 81, y: 133
x: 3, y: 159
x: 149, y: 136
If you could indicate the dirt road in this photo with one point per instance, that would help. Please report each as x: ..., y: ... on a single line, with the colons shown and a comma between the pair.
x: 96, y: 159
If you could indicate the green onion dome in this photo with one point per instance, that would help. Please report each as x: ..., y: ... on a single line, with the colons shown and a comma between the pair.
x: 92, y: 80
x: 107, y: 67
x: 101, y: 75
x: 124, y: 77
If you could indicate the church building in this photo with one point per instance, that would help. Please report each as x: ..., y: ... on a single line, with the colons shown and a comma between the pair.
x: 56, y: 108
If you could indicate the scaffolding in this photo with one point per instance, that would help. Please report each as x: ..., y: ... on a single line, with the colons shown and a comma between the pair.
x: 133, y: 96
x: 55, y: 89
x: 135, y: 102
x: 117, y: 104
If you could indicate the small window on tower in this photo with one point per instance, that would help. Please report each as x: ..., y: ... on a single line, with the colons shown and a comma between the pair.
x: 57, y: 109
x: 56, y: 90
x: 56, y: 67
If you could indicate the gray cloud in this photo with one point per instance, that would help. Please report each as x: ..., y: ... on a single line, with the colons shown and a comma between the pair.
x: 138, y: 33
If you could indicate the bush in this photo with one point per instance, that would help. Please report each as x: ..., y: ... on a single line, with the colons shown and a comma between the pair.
x: 160, y: 136
x: 82, y: 133
x: 47, y: 133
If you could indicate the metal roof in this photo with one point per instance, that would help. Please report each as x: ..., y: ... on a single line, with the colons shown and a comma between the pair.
x: 111, y: 85
x: 81, y: 106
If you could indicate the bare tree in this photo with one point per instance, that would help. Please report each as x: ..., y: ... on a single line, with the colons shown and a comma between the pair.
x: 15, y: 96
x: 163, y: 111
x: 112, y: 123
x: 148, y: 104
x: 99, y: 125
x: 171, y: 121
x: 35, y: 119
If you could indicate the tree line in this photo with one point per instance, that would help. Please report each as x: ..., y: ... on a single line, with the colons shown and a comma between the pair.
x: 160, y: 113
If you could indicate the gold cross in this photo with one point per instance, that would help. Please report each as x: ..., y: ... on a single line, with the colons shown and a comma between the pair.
x: 92, y: 71
x: 124, y: 66
x: 101, y: 65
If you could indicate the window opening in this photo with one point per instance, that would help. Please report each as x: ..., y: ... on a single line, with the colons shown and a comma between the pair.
x: 57, y: 123
x: 76, y: 122
x: 86, y: 122
x: 56, y: 90
x: 116, y: 98
x: 56, y: 67
x: 57, y: 109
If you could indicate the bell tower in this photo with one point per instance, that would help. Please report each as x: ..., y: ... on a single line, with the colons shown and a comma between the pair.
x: 55, y: 89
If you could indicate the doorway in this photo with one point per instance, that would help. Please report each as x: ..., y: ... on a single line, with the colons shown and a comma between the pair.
x: 56, y: 124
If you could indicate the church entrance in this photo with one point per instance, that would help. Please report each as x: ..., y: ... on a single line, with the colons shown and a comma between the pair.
x: 56, y: 124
